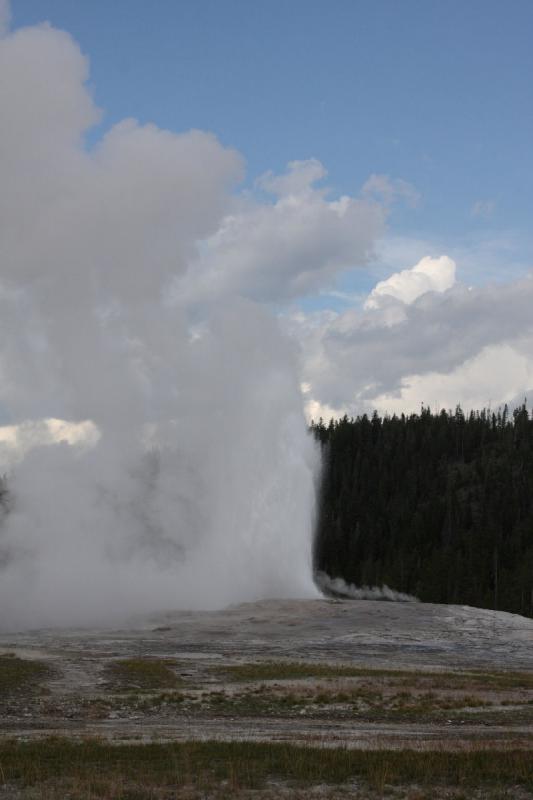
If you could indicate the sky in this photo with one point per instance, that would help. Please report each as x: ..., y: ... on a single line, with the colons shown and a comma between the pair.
x: 438, y: 94
x: 383, y: 204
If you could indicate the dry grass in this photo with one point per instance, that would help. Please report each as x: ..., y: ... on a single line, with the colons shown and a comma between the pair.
x: 18, y: 674
x: 293, y: 670
x: 288, y: 687
x: 100, y: 770
x: 356, y: 702
x: 144, y: 674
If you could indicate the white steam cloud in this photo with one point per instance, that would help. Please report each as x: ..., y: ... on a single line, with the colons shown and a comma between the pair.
x: 337, y: 587
x: 198, y: 488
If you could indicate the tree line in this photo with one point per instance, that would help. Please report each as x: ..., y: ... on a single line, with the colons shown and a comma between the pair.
x: 437, y: 505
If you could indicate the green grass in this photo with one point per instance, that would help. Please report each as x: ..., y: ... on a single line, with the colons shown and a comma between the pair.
x: 146, y: 674
x: 93, y: 764
x: 19, y: 674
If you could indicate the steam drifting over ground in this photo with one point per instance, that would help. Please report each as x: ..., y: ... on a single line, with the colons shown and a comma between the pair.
x: 337, y: 587
x: 197, y: 486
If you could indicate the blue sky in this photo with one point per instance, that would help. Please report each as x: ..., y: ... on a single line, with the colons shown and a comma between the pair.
x: 436, y: 93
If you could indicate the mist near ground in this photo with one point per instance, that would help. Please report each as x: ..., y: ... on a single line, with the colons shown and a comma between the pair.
x: 338, y: 587
x: 196, y: 485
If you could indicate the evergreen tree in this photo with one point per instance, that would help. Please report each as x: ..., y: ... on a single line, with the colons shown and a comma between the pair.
x: 436, y: 505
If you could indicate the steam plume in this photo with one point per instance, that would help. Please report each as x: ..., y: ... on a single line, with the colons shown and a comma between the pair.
x: 198, y: 487
x: 337, y: 587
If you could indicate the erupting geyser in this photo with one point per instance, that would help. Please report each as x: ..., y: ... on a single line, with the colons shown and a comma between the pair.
x: 197, y: 486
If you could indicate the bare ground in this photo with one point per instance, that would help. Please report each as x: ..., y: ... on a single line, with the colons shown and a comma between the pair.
x: 78, y: 697
x: 423, y: 677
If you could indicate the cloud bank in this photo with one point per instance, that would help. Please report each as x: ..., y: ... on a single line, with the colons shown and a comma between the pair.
x: 421, y: 338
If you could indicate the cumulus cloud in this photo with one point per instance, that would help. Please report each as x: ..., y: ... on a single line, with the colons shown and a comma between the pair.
x: 275, y: 252
x: 299, y: 178
x: 495, y: 375
x: 429, y: 275
x: 483, y: 256
x: 17, y: 440
x: 468, y: 345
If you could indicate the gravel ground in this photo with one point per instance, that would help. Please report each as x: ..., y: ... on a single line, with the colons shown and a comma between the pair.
x: 76, y: 699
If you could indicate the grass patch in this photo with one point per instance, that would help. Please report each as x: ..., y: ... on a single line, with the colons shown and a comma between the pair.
x: 146, y: 674
x: 369, y: 694
x: 360, y: 702
x: 293, y: 670
x: 502, y: 680
x: 19, y: 674
x: 93, y: 765
x: 172, y: 699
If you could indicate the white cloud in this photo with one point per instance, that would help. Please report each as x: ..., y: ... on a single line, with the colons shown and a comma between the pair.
x: 299, y: 178
x: 497, y: 374
x: 484, y: 256
x: 468, y: 345
x: 296, y: 245
x: 429, y: 275
x: 387, y: 190
x: 17, y: 440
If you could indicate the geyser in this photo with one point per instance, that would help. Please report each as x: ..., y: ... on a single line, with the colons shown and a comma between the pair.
x: 199, y: 489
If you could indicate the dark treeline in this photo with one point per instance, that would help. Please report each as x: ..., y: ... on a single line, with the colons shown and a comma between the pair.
x: 435, y: 505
